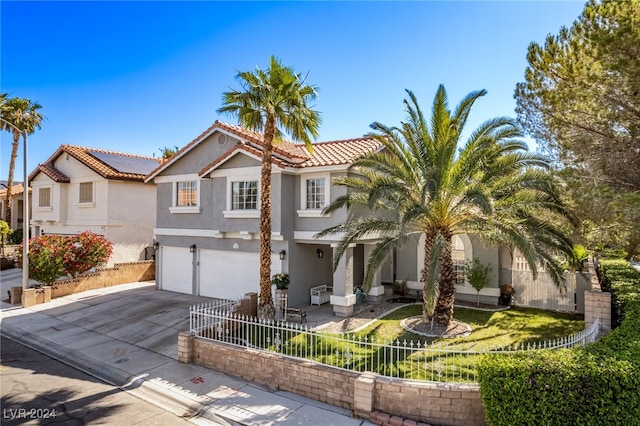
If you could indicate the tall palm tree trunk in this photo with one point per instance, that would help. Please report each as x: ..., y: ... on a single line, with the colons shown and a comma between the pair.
x: 12, y: 168
x: 428, y: 295
x: 266, y: 309
x: 446, y: 296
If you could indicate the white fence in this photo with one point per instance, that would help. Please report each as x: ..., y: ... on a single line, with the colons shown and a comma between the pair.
x: 542, y: 293
x: 414, y: 360
x: 204, y: 316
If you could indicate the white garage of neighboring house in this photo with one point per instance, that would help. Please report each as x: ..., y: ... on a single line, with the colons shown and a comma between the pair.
x: 217, y: 274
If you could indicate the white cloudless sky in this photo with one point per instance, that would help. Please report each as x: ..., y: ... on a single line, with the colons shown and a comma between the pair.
x: 137, y: 76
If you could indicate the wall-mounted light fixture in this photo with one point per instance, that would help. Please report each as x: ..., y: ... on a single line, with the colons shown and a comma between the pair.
x: 155, y: 245
x: 192, y: 248
x: 282, y: 254
x: 320, y: 253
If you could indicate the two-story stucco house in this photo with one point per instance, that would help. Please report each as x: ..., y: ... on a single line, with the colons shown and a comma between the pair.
x: 90, y: 189
x: 208, y: 221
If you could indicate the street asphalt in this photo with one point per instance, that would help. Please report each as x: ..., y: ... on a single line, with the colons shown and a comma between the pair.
x: 39, y: 390
x: 126, y: 335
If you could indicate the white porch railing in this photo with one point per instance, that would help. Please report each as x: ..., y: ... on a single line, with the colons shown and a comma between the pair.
x: 414, y: 360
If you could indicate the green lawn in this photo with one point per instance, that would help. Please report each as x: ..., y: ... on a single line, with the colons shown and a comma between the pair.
x: 386, y: 348
x: 514, y: 326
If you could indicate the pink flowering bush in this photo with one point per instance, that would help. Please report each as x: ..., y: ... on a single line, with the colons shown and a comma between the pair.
x: 53, y: 256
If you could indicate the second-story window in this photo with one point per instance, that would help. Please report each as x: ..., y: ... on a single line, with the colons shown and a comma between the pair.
x: 86, y: 193
x: 44, y: 197
x: 315, y: 193
x: 186, y: 194
x: 244, y: 195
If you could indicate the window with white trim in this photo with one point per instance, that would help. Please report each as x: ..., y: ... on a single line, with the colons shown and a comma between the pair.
x: 315, y: 193
x: 86, y: 193
x: 44, y: 197
x: 186, y: 194
x: 244, y: 195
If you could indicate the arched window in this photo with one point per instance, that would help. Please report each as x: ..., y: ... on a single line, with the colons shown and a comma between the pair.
x: 457, y: 255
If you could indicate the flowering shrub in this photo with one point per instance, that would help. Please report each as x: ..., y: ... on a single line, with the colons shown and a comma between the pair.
x: 85, y: 251
x: 55, y: 256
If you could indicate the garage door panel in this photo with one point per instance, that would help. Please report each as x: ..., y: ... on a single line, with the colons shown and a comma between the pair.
x: 177, y: 269
x: 229, y: 275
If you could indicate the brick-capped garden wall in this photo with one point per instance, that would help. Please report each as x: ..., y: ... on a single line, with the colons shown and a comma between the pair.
x: 367, y: 394
x: 120, y: 273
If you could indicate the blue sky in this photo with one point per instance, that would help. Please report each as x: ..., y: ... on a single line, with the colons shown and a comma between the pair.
x: 140, y: 76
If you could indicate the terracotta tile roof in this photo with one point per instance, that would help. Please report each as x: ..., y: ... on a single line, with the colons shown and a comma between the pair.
x: 53, y: 173
x: 97, y: 162
x: 340, y: 152
x: 284, y: 147
x: 330, y: 153
x: 15, y: 190
x: 285, y: 153
x: 277, y: 161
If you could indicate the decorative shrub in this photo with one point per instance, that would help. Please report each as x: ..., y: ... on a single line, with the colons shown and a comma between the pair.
x: 16, y: 236
x: 53, y: 256
x: 595, y: 385
x: 477, y: 275
x: 280, y: 280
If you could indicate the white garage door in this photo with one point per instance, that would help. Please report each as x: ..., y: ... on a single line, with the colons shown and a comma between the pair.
x: 229, y: 275
x: 176, y: 269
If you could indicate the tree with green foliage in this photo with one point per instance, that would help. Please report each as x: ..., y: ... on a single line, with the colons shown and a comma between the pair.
x: 274, y: 102
x: 428, y: 181
x: 5, y: 232
x: 607, y: 216
x: 167, y: 152
x: 581, y: 96
x: 19, y: 116
x: 477, y: 275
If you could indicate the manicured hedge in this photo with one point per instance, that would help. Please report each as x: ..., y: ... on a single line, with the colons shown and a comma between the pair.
x: 595, y: 385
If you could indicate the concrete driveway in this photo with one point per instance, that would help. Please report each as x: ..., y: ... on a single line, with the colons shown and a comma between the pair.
x: 134, y: 314
x: 127, y: 335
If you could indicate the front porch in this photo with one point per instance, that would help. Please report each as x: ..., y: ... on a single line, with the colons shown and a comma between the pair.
x: 311, y: 266
x: 324, y: 318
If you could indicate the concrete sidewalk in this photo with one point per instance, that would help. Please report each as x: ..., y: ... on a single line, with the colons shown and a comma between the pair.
x: 127, y: 336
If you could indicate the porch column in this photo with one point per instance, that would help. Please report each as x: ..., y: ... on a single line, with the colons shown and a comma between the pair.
x: 376, y: 291
x: 343, y: 297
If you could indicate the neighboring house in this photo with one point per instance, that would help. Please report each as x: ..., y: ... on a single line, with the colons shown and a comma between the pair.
x: 90, y: 189
x: 208, y: 222
x: 17, y: 205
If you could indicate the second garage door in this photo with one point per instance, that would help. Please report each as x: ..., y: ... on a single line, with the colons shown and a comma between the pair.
x: 228, y: 275
x: 176, y: 269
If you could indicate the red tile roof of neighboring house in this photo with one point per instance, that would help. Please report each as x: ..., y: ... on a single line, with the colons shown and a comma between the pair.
x: 15, y: 190
x: 105, y: 166
x: 53, y: 173
x: 285, y: 153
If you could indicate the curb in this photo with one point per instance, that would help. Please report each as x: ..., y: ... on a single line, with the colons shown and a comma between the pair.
x: 151, y: 392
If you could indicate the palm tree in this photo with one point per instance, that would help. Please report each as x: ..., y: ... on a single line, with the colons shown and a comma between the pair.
x: 426, y: 182
x: 274, y: 101
x: 24, y: 115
